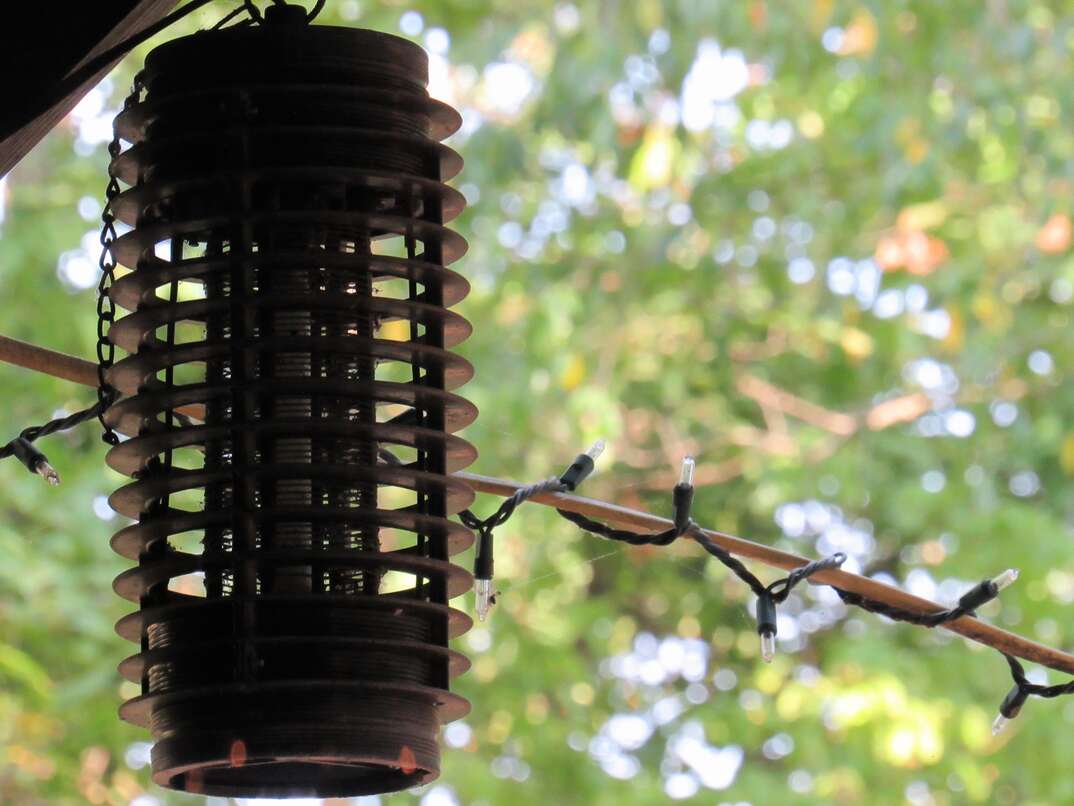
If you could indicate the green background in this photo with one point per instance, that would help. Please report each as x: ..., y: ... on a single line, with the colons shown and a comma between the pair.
x: 824, y: 247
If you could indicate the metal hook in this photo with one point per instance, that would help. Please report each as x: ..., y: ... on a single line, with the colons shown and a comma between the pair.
x: 256, y: 16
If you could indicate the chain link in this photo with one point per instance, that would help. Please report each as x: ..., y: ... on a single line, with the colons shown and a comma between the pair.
x: 106, y: 308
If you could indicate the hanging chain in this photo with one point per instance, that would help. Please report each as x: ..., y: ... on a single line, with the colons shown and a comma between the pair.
x: 106, y: 308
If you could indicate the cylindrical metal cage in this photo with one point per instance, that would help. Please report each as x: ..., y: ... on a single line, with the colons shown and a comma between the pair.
x: 288, y: 258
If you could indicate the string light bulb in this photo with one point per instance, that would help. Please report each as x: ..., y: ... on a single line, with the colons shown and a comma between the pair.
x: 1006, y: 579
x: 483, y: 574
x: 1009, y: 709
x: 766, y: 626
x: 483, y: 595
x: 48, y: 473
x: 34, y: 461
x: 580, y: 469
x: 583, y: 466
x: 686, y: 473
x: 985, y: 591
x: 768, y: 646
x: 682, y: 495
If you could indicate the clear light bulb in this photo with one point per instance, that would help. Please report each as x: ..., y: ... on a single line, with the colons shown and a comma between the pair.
x: 48, y: 473
x: 999, y: 724
x: 768, y: 646
x: 686, y: 475
x: 596, y: 449
x: 1006, y: 579
x: 483, y: 595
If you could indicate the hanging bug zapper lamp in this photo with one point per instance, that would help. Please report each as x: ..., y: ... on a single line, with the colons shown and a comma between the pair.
x: 289, y: 287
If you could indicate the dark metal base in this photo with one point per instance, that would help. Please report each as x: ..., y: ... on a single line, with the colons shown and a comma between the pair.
x: 302, y: 743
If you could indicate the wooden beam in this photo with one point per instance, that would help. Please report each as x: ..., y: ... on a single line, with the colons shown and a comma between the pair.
x: 51, y: 58
x: 58, y: 365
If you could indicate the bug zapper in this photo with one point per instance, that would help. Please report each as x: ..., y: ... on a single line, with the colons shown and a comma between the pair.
x: 288, y: 255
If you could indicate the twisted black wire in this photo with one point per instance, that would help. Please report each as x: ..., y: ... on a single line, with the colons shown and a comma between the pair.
x: 52, y: 426
x: 509, y: 505
x: 778, y: 590
x: 622, y: 535
x: 929, y: 620
x: 1018, y: 674
x: 781, y: 588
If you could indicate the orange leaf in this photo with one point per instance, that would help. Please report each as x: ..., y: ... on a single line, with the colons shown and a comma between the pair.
x: 924, y: 253
x: 915, y: 251
x: 860, y: 36
x: 1055, y: 235
x: 889, y: 253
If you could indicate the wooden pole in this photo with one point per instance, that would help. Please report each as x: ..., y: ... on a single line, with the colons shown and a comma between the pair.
x: 59, y: 365
x: 63, y: 366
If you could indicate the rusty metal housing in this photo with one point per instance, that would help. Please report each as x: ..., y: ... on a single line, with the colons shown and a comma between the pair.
x: 289, y: 273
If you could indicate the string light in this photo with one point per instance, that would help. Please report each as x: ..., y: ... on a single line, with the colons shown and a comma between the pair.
x: 1023, y: 690
x: 983, y: 592
x: 1009, y: 709
x: 23, y: 449
x: 766, y: 626
x: 483, y: 597
x: 686, y: 474
x: 1006, y: 579
x: 582, y: 466
x: 682, y: 498
x: 34, y: 460
x: 683, y: 495
x: 768, y: 597
x: 579, y: 470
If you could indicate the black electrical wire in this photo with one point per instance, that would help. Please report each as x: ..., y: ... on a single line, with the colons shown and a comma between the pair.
x: 35, y: 461
x: 35, y: 432
x: 976, y: 596
x: 232, y: 15
x: 21, y: 446
x: 665, y: 538
x: 483, y: 557
x: 768, y: 596
x: 775, y: 593
x: 778, y: 590
x: 510, y: 504
x: 1018, y: 674
x: 1023, y: 690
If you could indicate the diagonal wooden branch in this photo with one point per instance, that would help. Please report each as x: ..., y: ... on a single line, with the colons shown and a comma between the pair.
x: 74, y: 369
x: 63, y: 366
x: 770, y: 396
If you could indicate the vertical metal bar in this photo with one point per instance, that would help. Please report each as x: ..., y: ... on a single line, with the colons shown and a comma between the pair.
x: 245, y: 372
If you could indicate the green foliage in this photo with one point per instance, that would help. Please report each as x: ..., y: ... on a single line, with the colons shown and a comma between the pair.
x: 830, y: 259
